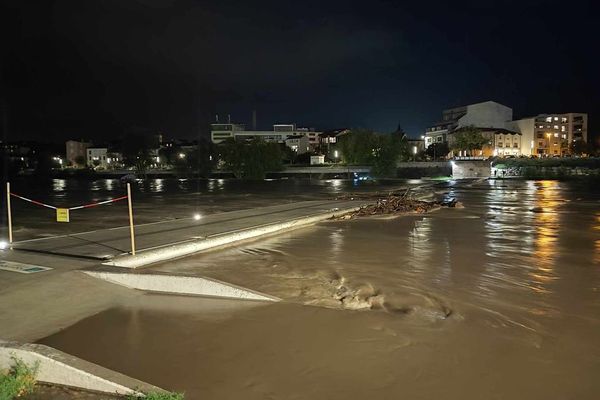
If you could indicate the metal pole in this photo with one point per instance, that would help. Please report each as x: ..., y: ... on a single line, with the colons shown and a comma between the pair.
x: 131, y: 231
x: 9, y: 212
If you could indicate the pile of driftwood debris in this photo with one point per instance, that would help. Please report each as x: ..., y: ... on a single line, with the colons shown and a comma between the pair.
x: 394, y: 203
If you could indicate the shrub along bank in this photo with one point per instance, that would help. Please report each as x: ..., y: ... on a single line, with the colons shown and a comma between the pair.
x: 546, y: 168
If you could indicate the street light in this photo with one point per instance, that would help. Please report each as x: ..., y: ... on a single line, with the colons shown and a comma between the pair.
x: 181, y: 155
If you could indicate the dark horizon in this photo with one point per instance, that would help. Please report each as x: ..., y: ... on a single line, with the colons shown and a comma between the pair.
x: 98, y: 70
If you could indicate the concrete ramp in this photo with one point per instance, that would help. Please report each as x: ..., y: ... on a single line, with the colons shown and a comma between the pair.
x: 178, y: 284
x: 60, y: 368
x: 169, y: 252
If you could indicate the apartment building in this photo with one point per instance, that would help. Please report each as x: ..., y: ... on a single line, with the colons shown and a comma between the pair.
x: 488, y: 114
x: 500, y: 143
x: 76, y: 151
x: 97, y: 157
x: 299, y: 144
x: 547, y: 135
x: 279, y: 134
x: 543, y: 135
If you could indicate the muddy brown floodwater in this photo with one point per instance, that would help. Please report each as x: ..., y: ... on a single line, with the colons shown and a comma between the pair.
x: 496, y: 300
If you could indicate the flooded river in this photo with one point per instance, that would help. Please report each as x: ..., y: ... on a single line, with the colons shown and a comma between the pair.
x: 496, y: 300
x: 159, y: 200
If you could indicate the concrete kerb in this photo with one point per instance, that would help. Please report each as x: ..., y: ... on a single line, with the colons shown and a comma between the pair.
x: 56, y: 367
x: 165, y: 253
x: 179, y: 284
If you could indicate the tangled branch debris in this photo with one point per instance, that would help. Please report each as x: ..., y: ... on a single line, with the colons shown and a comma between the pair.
x: 393, y: 203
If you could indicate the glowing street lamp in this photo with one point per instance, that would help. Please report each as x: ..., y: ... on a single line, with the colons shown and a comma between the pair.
x: 182, y: 155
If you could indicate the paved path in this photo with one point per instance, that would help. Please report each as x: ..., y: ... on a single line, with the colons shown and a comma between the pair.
x: 109, y: 243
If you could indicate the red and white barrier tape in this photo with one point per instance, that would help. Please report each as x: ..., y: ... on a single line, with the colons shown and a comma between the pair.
x: 98, y: 204
x: 39, y: 203
x: 33, y: 201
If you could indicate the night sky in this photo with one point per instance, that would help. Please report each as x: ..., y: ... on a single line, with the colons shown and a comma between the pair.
x: 98, y: 69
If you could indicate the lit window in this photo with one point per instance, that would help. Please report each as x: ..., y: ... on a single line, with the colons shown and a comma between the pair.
x: 563, y: 128
x: 564, y: 136
x: 556, y: 118
x: 549, y: 119
x: 556, y: 135
x: 556, y: 127
x: 541, y: 126
x: 564, y: 119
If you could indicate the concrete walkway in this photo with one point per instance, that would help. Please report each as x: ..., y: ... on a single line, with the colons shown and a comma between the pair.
x: 110, y: 243
x: 38, y: 304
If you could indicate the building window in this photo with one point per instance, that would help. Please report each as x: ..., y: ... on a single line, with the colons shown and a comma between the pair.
x: 564, y: 136
x: 439, y: 138
x: 564, y: 119
x: 556, y: 127
x: 556, y: 118
x: 500, y: 145
x: 556, y: 135
x: 548, y: 119
x: 541, y: 126
x: 563, y: 128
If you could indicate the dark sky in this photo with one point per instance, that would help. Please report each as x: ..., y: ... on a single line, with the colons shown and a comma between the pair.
x: 97, y: 69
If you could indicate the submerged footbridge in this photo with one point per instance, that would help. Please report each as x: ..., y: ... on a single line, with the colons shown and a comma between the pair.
x: 161, y: 241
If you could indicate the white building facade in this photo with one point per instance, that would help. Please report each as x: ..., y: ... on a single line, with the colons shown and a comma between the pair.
x: 97, y: 157
x: 279, y: 134
x: 488, y: 114
x: 299, y: 144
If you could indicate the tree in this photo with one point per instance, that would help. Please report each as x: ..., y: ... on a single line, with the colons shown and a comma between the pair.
x: 231, y: 152
x: 204, y: 158
x: 579, y: 147
x: 385, y: 156
x: 437, y: 150
x: 251, y: 160
x: 137, y: 151
x: 80, y: 161
x: 468, y: 139
x: 357, y: 146
x: 382, y: 151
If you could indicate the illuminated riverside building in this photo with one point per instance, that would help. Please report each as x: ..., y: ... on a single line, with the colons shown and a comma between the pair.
x: 488, y: 115
x: 544, y: 135
x: 547, y: 135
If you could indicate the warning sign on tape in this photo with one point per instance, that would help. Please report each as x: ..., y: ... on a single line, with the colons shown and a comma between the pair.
x: 62, y: 215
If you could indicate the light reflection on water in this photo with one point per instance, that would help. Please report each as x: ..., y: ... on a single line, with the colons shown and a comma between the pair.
x: 548, y: 199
